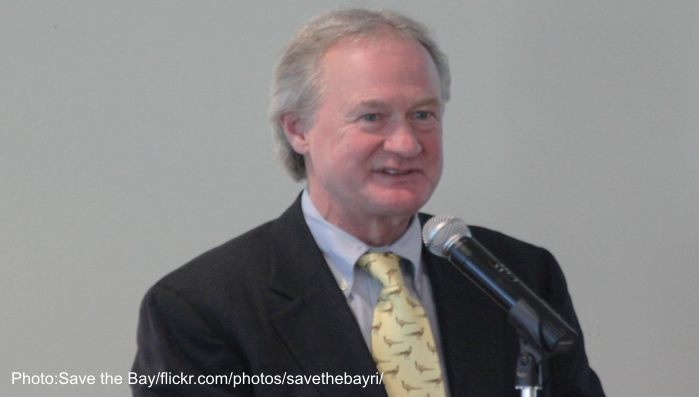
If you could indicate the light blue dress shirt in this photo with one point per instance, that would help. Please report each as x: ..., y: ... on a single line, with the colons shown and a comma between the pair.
x: 342, y: 250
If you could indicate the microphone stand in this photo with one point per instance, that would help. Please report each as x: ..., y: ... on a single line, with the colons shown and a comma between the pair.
x: 528, y: 373
x: 528, y: 323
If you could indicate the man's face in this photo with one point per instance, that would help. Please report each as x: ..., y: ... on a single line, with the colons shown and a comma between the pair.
x: 375, y: 148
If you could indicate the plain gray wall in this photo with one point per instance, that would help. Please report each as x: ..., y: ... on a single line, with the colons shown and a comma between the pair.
x: 133, y: 137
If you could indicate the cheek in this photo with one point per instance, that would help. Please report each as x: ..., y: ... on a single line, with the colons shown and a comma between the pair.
x: 334, y: 160
x: 358, y: 151
x: 321, y: 146
x: 351, y: 153
x: 432, y: 147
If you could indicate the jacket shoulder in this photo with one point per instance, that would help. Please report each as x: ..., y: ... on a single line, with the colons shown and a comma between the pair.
x: 492, y: 239
x: 501, y: 241
x: 243, y: 257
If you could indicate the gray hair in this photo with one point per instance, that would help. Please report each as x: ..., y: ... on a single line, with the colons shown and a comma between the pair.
x: 296, y: 86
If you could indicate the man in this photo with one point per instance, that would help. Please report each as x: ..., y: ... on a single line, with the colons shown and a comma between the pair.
x: 357, y: 103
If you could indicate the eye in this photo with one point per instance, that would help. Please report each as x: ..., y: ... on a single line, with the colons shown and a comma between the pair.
x: 370, y: 117
x: 422, y: 115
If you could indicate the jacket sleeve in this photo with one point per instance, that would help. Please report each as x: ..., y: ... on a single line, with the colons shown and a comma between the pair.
x: 179, y: 354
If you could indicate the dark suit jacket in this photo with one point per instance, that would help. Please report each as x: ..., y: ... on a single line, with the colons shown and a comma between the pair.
x: 266, y: 303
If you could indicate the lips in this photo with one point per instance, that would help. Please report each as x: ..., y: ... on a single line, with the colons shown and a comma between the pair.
x: 396, y: 172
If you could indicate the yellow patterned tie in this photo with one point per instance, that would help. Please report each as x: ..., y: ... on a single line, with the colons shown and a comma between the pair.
x: 401, y: 341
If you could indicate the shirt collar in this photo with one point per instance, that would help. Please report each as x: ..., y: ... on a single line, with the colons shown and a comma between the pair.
x: 342, y: 250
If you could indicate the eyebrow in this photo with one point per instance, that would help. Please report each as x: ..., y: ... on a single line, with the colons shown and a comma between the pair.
x: 376, y: 104
x: 372, y: 104
x: 429, y: 102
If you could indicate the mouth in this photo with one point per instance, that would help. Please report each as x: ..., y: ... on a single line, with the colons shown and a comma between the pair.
x: 396, y: 172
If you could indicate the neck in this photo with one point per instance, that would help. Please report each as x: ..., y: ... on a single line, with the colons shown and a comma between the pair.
x: 376, y: 232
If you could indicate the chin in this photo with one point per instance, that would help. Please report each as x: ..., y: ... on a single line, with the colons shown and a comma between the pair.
x: 404, y: 204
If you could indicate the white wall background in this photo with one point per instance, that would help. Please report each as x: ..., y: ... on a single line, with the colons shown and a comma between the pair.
x: 133, y: 137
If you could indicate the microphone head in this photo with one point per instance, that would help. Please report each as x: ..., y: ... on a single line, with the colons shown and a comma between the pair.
x: 441, y: 229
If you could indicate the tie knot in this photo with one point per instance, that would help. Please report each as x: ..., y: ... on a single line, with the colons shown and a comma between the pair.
x: 384, y: 266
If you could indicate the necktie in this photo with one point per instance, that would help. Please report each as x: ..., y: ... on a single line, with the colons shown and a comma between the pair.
x: 401, y: 340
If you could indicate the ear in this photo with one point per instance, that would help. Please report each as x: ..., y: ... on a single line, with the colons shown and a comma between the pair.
x: 294, y: 129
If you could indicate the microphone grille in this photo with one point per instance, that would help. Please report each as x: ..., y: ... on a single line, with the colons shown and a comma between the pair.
x: 440, y: 229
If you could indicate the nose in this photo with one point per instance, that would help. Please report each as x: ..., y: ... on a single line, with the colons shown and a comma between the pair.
x: 402, y: 141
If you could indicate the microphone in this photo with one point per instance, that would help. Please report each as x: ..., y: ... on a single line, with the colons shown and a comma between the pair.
x: 449, y: 237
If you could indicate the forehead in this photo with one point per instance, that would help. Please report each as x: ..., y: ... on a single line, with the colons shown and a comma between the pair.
x: 378, y: 60
x: 386, y: 42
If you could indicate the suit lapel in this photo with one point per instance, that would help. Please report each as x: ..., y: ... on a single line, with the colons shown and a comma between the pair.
x: 311, y: 314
